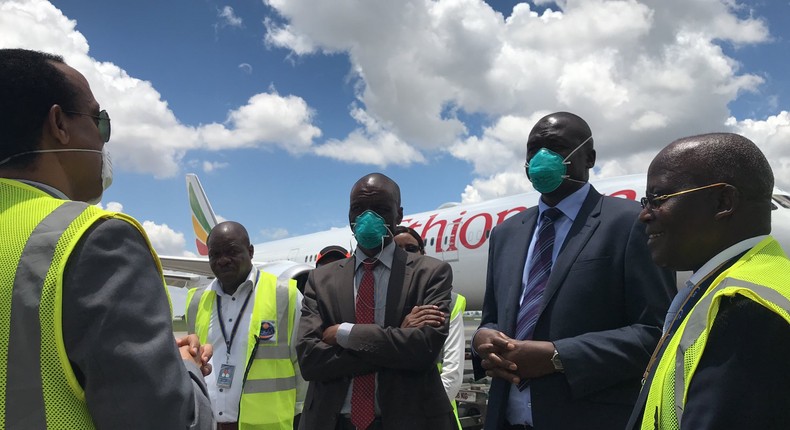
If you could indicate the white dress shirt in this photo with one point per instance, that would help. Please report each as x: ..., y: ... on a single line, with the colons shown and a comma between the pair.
x: 225, y: 401
x: 453, y: 357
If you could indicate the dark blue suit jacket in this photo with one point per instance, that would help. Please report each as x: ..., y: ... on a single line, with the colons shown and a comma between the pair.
x: 604, y: 306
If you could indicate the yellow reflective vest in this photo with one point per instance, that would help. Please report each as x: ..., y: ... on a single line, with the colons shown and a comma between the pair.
x: 37, y: 235
x: 760, y: 275
x: 268, y: 395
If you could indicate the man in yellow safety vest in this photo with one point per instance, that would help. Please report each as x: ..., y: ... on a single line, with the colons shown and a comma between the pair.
x: 722, y: 362
x: 86, y: 335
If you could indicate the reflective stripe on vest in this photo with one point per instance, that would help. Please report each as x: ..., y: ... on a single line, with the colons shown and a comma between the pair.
x: 763, y: 266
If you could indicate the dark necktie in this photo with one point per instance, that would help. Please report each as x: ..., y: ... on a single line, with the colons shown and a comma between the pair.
x: 539, y: 271
x: 363, y: 394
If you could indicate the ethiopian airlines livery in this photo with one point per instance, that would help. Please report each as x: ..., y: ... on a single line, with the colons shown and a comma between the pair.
x: 456, y: 233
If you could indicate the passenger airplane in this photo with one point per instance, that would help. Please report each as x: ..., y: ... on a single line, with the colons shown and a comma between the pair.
x: 456, y: 233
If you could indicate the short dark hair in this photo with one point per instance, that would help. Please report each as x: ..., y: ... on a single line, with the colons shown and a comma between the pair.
x: 400, y: 229
x: 30, y: 84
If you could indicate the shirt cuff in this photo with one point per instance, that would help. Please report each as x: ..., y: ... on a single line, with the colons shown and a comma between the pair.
x: 343, y: 332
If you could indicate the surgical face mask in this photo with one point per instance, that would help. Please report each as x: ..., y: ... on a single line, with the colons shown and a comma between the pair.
x: 106, y: 165
x: 547, y: 169
x: 370, y: 230
x: 106, y: 175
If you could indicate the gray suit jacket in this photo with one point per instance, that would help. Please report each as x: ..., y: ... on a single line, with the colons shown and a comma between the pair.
x: 118, y: 333
x: 410, y: 392
x: 604, y: 305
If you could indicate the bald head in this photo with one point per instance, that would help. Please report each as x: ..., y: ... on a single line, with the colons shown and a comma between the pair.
x: 230, y: 229
x: 378, y: 181
x: 721, y: 157
x: 564, y: 125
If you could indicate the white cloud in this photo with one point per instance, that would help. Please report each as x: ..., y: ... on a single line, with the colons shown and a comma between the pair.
x: 111, y: 206
x: 641, y: 73
x: 147, y: 135
x: 229, y: 17
x: 165, y: 240
x: 210, y: 166
x: 273, y: 234
x: 246, y: 68
x: 772, y: 136
x: 371, y: 144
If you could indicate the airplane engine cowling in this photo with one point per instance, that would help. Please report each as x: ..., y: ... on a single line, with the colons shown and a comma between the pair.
x: 286, y: 269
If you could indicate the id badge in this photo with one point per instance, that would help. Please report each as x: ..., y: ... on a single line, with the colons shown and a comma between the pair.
x: 225, y: 377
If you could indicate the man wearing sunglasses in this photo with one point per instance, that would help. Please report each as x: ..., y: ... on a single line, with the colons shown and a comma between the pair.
x: 86, y: 337
x: 722, y: 362
x: 573, y: 304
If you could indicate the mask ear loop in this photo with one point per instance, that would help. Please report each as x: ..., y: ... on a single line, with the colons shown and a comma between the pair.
x: 566, y: 162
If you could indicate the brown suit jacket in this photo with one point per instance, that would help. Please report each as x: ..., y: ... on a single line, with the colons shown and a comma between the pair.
x: 410, y: 392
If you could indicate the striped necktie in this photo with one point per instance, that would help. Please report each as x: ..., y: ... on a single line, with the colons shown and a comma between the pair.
x: 539, y: 271
x: 364, y: 390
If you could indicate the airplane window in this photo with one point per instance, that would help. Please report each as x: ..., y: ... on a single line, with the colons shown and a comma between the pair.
x: 432, y: 240
x: 783, y: 200
x: 445, y: 240
x: 305, y: 259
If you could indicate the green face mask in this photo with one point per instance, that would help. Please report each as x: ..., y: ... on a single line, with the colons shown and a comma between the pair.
x: 370, y: 230
x: 547, y: 169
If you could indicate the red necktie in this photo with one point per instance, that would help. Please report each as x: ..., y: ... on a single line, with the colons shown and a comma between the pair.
x: 363, y: 395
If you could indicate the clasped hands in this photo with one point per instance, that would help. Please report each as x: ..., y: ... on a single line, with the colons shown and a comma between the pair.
x: 190, y: 348
x: 513, y: 360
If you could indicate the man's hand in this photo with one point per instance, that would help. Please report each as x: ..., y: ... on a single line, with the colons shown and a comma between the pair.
x: 330, y: 335
x: 190, y: 348
x: 532, y: 357
x: 492, y: 345
x: 421, y: 316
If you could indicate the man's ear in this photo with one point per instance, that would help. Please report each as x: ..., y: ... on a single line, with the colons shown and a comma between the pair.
x: 56, y: 126
x: 727, y: 203
x: 590, y: 159
x: 400, y: 216
x: 251, y: 249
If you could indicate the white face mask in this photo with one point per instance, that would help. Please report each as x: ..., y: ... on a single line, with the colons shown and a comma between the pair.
x: 106, y: 166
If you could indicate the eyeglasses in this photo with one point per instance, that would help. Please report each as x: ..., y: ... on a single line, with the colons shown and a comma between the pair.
x: 102, y: 122
x: 411, y: 248
x: 653, y: 201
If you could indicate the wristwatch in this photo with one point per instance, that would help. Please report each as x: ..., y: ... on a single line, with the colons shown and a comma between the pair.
x: 555, y: 360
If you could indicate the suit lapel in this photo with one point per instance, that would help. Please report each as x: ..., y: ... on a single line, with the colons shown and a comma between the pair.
x: 585, y: 224
x: 516, y: 274
x: 345, y: 297
x: 397, y: 288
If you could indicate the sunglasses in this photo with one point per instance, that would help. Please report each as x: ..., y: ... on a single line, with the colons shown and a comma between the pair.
x: 411, y: 248
x: 102, y: 122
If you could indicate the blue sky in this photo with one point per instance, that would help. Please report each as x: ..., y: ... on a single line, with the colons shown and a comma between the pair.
x: 280, y: 105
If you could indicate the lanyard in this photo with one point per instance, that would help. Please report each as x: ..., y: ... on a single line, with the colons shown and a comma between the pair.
x: 229, y: 342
